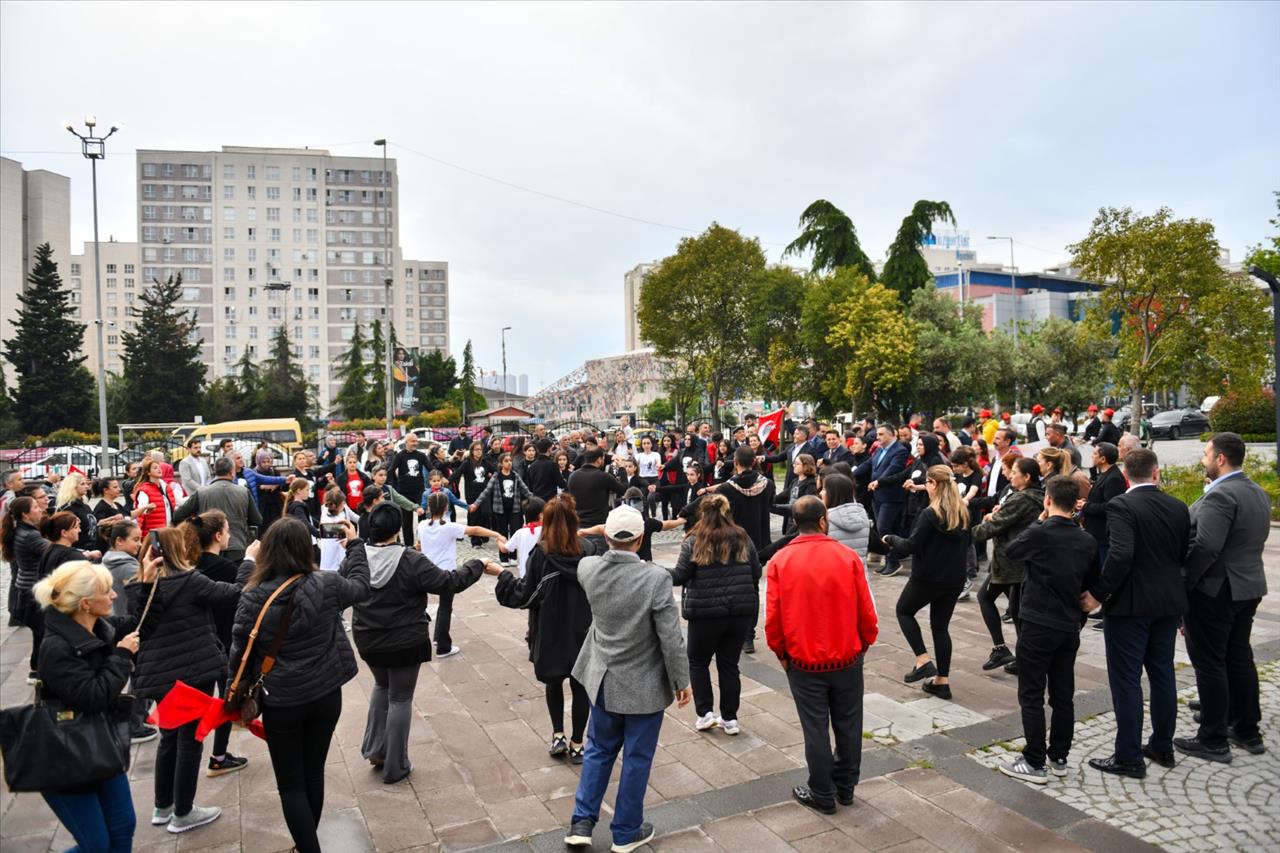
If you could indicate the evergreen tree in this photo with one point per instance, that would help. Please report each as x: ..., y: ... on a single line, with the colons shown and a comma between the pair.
x: 353, y: 398
x: 163, y: 370
x: 9, y: 427
x: 905, y: 270
x: 467, y: 383
x: 54, y: 389
x: 284, y: 391
x: 221, y: 401
x: 248, y: 387
x: 437, y: 376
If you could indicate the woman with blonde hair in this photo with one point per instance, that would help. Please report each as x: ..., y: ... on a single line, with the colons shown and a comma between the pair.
x: 72, y: 492
x: 939, y: 541
x: 180, y: 643
x: 720, y: 572
x: 85, y: 660
x: 1054, y: 461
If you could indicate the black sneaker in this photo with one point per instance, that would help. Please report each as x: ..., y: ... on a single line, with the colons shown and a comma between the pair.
x: 144, y: 734
x: 1137, y: 770
x: 559, y: 746
x: 1000, y: 655
x: 1197, y: 717
x: 579, y: 834
x: 228, y: 764
x: 1012, y: 667
x: 844, y: 798
x: 749, y: 646
x: 1193, y: 747
x: 1193, y: 704
x: 575, y: 754
x: 643, y: 837
x: 805, y: 797
x: 925, y: 670
x: 1252, y: 744
x: 1164, y: 759
x: 1007, y: 617
x: 888, y: 571
x: 942, y: 691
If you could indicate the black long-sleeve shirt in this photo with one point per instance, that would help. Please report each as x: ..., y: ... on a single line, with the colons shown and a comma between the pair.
x: 591, y: 488
x: 1061, y: 561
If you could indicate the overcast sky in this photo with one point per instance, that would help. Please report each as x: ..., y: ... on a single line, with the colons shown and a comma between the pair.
x: 1025, y: 117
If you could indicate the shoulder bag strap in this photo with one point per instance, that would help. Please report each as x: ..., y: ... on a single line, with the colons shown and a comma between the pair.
x: 253, y: 635
x: 269, y: 662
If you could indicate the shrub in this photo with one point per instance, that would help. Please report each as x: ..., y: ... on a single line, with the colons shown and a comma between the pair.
x: 1187, y: 483
x: 1252, y: 410
x: 70, y: 436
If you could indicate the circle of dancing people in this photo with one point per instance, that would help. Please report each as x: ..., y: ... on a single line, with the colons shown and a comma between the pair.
x: 181, y: 587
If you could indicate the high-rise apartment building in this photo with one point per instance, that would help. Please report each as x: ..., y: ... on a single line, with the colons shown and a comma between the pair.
x: 35, y: 208
x: 121, y: 283
x: 293, y: 236
x: 632, y: 281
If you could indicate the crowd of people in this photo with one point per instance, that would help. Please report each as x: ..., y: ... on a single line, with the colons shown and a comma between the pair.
x: 167, y: 577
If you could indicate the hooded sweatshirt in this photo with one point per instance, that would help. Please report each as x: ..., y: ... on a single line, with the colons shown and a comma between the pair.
x: 750, y: 495
x: 849, y: 525
x: 122, y: 567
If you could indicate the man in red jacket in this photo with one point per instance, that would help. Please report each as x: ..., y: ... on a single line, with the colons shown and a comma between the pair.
x: 819, y: 620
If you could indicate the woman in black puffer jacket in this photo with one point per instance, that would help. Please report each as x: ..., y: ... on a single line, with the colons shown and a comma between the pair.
x: 720, y: 572
x: 303, y: 693
x: 179, y: 643
x: 391, y: 630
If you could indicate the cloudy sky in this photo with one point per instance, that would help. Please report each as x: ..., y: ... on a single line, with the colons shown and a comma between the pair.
x: 1025, y: 117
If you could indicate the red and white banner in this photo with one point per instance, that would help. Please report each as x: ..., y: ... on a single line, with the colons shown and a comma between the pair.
x: 770, y: 427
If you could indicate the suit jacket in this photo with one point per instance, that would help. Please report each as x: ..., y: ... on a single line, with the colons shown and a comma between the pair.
x: 882, y: 463
x: 1229, y: 527
x: 1109, y: 485
x: 635, y: 635
x: 840, y: 454
x: 1148, y: 533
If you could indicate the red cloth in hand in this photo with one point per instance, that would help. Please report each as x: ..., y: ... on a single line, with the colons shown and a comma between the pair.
x: 184, y: 703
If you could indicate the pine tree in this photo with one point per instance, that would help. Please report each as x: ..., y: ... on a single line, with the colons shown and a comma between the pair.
x: 9, y: 428
x: 248, y: 387
x: 284, y: 391
x: 54, y: 389
x: 353, y: 398
x: 467, y: 381
x: 437, y: 376
x: 163, y: 370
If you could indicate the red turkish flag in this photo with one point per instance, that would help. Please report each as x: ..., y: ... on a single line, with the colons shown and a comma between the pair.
x: 770, y: 427
x: 184, y: 703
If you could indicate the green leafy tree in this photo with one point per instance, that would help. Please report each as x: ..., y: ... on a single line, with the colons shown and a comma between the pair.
x: 707, y: 286
x: 829, y: 233
x: 774, y: 325
x: 437, y: 376
x: 354, y: 398
x: 284, y: 391
x: 876, y: 342
x: 905, y: 269
x: 1061, y: 363
x: 54, y: 388
x: 660, y: 411
x: 1161, y: 275
x: 957, y: 358
x: 163, y: 369
x: 1268, y: 257
x: 248, y: 386
x: 465, y: 396
x: 221, y: 401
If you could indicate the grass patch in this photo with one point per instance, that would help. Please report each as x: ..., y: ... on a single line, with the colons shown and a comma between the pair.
x: 921, y: 764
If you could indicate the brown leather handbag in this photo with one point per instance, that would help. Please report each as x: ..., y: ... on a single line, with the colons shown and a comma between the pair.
x: 244, y: 695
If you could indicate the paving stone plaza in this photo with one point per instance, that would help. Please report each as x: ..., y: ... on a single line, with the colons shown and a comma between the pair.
x: 482, y: 778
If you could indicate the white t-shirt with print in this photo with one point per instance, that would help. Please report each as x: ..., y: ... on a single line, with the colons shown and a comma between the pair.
x: 439, y: 542
x: 522, y: 542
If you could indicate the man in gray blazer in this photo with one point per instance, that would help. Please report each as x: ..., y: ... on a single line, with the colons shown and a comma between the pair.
x: 632, y: 664
x: 1225, y: 582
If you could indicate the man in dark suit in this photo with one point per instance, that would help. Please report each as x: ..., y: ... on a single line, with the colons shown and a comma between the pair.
x: 1110, y: 484
x: 888, y: 502
x: 800, y: 440
x: 1225, y: 582
x: 836, y: 450
x: 1143, y: 598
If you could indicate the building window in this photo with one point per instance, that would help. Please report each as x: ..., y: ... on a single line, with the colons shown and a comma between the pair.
x: 273, y: 214
x: 148, y: 170
x: 252, y: 214
x: 228, y: 214
x: 228, y: 274
x: 190, y: 294
x: 273, y: 173
x: 228, y: 233
x: 251, y: 172
x: 228, y: 191
x: 273, y: 193
x: 252, y: 235
x: 273, y: 234
x: 252, y: 192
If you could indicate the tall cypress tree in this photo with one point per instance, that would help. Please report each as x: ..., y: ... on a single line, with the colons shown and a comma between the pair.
x: 54, y: 388
x: 353, y: 398
x: 248, y: 385
x: 284, y: 391
x: 163, y: 370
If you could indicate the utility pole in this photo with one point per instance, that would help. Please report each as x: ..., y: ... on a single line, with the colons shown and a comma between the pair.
x: 387, y: 280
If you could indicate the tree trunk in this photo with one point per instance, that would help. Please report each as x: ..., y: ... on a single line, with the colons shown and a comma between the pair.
x: 1135, y: 408
x: 715, y: 404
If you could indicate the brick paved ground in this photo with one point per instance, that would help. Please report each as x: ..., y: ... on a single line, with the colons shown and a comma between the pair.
x: 482, y: 776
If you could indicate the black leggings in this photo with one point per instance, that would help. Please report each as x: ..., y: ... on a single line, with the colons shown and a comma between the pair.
x: 581, y: 707
x: 941, y: 601
x: 298, y: 739
x: 991, y: 613
x: 177, y: 767
x: 33, y: 618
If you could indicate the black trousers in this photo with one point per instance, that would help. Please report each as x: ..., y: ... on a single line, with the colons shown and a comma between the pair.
x: 298, y: 739
x: 830, y: 702
x: 991, y: 614
x: 581, y: 707
x: 444, y: 620
x: 1046, y: 656
x: 1134, y: 644
x: 408, y: 523
x: 222, y: 734
x: 178, y: 764
x: 722, y: 639
x: 33, y: 618
x: 1226, y: 678
x: 941, y: 601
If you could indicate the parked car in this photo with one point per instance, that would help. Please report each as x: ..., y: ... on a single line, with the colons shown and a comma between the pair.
x: 1177, y: 423
x: 1207, y: 404
x: 60, y: 460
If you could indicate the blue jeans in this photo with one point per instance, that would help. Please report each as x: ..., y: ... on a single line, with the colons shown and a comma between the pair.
x: 636, y: 735
x: 1135, y: 643
x: 102, y: 820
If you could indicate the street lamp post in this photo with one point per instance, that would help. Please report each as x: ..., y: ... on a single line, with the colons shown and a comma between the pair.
x: 387, y: 280
x: 1013, y: 284
x: 286, y: 286
x: 94, y: 149
x: 505, y: 329
x: 1274, y: 284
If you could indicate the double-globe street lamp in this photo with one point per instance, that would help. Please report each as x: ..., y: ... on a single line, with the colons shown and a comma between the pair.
x: 1274, y: 284
x: 94, y: 149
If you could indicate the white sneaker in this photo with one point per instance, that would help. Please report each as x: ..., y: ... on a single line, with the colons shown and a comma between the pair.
x: 198, y: 816
x: 706, y: 721
x: 730, y: 727
x: 453, y: 650
x: 159, y: 817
